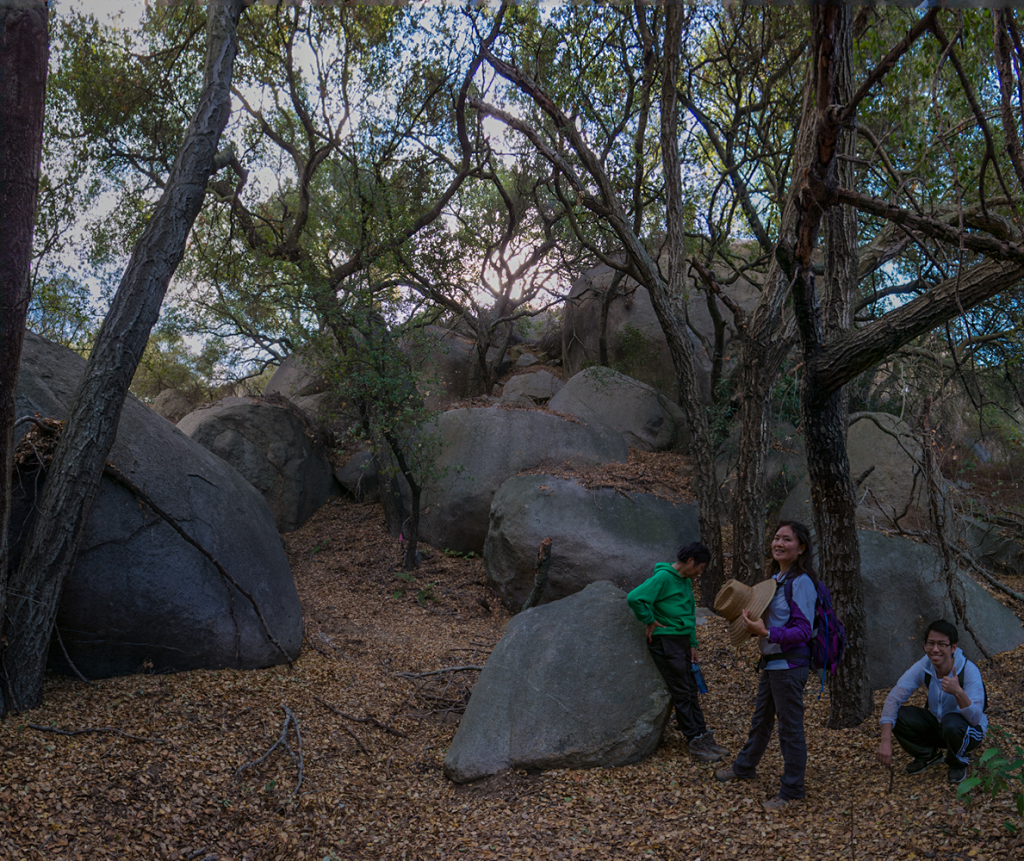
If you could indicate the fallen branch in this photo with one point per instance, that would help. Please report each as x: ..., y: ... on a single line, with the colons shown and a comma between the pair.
x: 438, y: 672
x: 372, y: 720
x: 67, y: 657
x: 282, y: 741
x: 102, y: 730
x: 974, y: 566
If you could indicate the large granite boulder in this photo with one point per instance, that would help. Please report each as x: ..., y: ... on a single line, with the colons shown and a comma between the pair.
x: 172, y: 404
x: 636, y: 344
x: 893, y: 490
x: 268, y: 445
x: 531, y: 389
x: 480, y: 449
x: 597, y: 534
x: 139, y: 596
x: 904, y: 590
x: 647, y: 420
x: 300, y: 381
x: 569, y: 685
x: 448, y: 366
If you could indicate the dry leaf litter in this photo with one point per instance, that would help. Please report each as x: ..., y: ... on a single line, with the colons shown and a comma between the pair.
x: 340, y: 755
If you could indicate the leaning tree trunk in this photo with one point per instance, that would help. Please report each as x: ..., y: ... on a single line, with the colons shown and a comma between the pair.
x: 669, y: 301
x: 24, y: 47
x: 92, y: 420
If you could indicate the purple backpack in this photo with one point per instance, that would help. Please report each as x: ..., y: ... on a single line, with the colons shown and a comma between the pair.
x: 828, y: 643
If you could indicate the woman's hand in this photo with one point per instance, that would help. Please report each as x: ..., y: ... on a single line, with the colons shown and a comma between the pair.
x: 754, y: 626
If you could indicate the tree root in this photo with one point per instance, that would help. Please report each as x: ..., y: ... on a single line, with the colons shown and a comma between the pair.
x: 282, y: 741
x: 438, y: 672
x: 370, y: 720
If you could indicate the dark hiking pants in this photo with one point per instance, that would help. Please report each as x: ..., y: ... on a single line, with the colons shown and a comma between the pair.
x: 920, y: 734
x: 671, y: 653
x: 780, y: 693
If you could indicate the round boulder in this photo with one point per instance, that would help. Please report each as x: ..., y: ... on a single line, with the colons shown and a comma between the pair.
x: 139, y: 597
x: 268, y: 445
x: 569, y: 685
x: 597, y: 534
x: 480, y: 449
x: 647, y: 420
x: 531, y: 389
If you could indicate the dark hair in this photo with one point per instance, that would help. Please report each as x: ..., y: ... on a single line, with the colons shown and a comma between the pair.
x: 804, y: 563
x: 695, y: 551
x: 941, y: 626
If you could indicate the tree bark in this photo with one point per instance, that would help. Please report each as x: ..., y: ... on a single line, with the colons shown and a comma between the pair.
x: 92, y: 420
x: 24, y: 47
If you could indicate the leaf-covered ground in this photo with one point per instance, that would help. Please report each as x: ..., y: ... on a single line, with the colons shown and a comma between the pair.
x: 148, y: 766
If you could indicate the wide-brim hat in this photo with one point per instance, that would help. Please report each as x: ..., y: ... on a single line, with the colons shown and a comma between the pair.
x: 735, y: 597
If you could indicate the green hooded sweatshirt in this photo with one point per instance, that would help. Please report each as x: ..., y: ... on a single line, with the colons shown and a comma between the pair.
x: 666, y: 597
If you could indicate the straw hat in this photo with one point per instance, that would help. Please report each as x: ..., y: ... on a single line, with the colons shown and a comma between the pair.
x: 735, y: 597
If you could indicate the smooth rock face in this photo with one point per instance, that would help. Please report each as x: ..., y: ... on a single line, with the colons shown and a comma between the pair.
x: 531, y: 389
x: 358, y: 476
x: 884, y: 444
x: 569, y: 685
x: 904, y: 590
x: 294, y: 379
x: 647, y: 420
x: 267, y: 444
x: 597, y: 535
x: 140, y: 597
x: 172, y: 404
x: 480, y: 449
x: 636, y: 343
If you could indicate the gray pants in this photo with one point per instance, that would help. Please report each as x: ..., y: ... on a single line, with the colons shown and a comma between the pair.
x: 779, y: 693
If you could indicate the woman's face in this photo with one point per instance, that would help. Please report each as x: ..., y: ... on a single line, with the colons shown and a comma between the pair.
x: 786, y: 548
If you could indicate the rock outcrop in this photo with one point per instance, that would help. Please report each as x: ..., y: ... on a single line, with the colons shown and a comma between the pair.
x: 268, y: 445
x: 139, y: 596
x: 597, y: 534
x: 480, y: 449
x: 569, y: 685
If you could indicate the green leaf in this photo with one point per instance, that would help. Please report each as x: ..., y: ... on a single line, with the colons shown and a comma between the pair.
x: 967, y: 786
x: 988, y: 754
x: 406, y: 576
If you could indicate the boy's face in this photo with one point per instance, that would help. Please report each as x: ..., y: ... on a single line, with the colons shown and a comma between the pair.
x: 689, y: 569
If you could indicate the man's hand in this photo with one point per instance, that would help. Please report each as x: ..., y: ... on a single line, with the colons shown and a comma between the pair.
x: 884, y: 752
x: 649, y: 629
x: 754, y: 626
x: 693, y: 655
x: 951, y: 684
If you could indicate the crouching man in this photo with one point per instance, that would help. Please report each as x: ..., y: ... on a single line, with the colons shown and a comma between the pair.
x: 664, y: 603
x: 954, y: 720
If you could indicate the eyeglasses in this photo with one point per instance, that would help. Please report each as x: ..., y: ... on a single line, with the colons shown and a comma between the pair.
x: 931, y: 644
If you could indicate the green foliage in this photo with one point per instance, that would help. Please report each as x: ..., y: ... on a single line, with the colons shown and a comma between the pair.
x: 999, y: 774
x: 423, y: 592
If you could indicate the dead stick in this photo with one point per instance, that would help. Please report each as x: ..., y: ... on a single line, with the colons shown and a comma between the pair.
x: 103, y: 730
x: 372, y: 720
x: 438, y: 672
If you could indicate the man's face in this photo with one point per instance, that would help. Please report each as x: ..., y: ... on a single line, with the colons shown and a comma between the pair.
x: 938, y: 648
x: 690, y: 569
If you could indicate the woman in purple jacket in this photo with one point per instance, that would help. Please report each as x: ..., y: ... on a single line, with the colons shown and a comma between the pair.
x: 785, y: 633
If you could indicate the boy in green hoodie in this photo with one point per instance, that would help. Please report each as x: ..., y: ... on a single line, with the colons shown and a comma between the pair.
x: 664, y: 603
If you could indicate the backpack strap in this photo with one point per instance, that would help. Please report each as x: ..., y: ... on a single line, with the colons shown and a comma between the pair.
x: 984, y: 689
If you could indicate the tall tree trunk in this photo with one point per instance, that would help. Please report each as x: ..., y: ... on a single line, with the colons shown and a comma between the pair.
x: 92, y: 420
x: 823, y: 406
x: 24, y: 47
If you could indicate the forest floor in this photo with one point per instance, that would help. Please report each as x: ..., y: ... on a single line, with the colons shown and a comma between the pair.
x: 159, y: 766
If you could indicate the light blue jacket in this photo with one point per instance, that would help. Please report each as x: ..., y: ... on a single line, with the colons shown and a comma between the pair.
x: 922, y: 674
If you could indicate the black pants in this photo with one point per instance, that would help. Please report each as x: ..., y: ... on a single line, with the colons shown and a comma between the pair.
x: 920, y: 734
x: 671, y: 652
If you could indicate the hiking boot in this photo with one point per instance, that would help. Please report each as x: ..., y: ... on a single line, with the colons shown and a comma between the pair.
x: 777, y: 803
x: 700, y: 748
x: 727, y: 774
x: 713, y: 745
x: 956, y: 773
x: 922, y: 762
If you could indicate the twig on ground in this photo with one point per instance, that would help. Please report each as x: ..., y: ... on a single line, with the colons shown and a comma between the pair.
x: 67, y: 657
x: 282, y: 741
x: 367, y: 719
x: 438, y: 672
x: 101, y: 730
